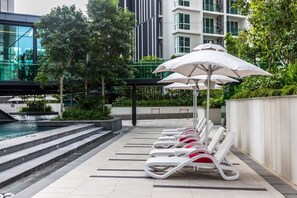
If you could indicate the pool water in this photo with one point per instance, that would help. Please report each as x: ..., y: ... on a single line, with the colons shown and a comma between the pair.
x: 23, y: 127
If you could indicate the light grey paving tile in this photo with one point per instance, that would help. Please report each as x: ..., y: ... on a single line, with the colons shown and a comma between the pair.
x: 211, y: 194
x: 172, y: 193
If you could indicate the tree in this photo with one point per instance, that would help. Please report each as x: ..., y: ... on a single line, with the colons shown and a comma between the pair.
x: 273, y: 29
x: 111, y: 41
x: 64, y: 34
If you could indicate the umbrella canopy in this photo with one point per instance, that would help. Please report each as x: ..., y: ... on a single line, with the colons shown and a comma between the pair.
x: 50, y: 98
x: 210, y: 46
x: 206, y: 62
x: 209, y: 61
x: 15, y: 99
x: 166, y: 65
x: 183, y: 86
x: 176, y: 77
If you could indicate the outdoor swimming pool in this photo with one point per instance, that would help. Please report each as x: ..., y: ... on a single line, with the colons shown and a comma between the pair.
x: 25, y: 126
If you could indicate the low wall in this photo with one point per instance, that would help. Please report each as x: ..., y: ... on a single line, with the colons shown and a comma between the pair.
x: 14, y: 108
x: 165, y: 113
x: 267, y: 130
x: 114, y: 124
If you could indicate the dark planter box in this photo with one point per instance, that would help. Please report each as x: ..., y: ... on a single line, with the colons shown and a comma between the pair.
x: 114, y: 124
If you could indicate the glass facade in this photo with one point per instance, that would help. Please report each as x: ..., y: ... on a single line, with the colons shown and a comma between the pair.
x: 17, y: 54
x: 209, y: 5
x: 230, y: 8
x: 182, y: 44
x: 208, y: 25
x: 182, y: 21
x: 232, y: 26
x: 185, y: 3
x: 144, y: 70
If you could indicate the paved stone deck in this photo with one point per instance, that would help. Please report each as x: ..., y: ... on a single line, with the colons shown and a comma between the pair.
x: 117, y: 172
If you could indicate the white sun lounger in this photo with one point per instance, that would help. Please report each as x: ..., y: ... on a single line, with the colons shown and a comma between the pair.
x: 170, y: 132
x: 189, y: 147
x: 163, y: 167
x: 183, y: 141
x: 188, y: 133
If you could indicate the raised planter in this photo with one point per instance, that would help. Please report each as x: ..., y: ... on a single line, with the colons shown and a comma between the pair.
x: 114, y: 124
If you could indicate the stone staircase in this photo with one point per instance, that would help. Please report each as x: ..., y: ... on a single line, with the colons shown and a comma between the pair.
x: 21, y: 156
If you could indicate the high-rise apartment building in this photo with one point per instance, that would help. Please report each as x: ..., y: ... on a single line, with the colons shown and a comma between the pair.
x: 147, y: 31
x: 174, y: 27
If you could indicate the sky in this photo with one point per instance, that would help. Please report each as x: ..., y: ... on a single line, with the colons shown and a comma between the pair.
x: 41, y: 7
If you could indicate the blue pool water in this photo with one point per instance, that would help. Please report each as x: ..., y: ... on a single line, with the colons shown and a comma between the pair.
x: 26, y: 126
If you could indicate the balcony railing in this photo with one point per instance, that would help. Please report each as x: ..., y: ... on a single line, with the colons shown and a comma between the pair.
x: 212, y: 30
x: 144, y: 70
x: 233, y: 11
x: 212, y: 7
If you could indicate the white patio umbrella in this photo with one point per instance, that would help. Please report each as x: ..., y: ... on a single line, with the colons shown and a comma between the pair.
x: 177, y: 77
x: 194, y: 87
x: 209, y: 61
x: 215, y: 79
x: 210, y: 46
x: 177, y: 85
x: 15, y: 99
x: 166, y: 65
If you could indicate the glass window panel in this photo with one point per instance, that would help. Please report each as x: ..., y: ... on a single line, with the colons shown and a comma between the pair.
x: 182, y: 44
x: 16, y: 53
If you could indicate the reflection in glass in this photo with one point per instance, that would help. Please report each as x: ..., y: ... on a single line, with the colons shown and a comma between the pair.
x: 16, y: 53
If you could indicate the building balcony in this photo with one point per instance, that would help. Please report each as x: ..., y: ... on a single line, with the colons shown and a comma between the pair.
x: 234, y: 32
x: 213, y: 30
x: 231, y: 10
x: 213, y: 7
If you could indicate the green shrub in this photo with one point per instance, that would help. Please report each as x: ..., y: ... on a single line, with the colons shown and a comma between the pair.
x: 82, y: 114
x: 214, y: 103
x: 288, y: 89
x: 122, y: 102
x: 36, y: 106
x: 88, y: 109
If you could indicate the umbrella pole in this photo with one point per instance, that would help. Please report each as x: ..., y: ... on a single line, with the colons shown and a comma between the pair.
x: 207, y: 106
x: 195, y: 107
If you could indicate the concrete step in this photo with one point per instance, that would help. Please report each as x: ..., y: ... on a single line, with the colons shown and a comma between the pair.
x: 24, y: 142
x: 24, y: 155
x: 12, y: 174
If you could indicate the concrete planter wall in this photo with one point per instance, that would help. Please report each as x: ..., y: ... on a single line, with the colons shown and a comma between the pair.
x: 114, y: 124
x: 267, y: 130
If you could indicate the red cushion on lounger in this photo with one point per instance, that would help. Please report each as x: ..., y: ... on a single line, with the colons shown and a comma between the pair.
x: 189, y: 146
x: 200, y: 160
x: 188, y: 141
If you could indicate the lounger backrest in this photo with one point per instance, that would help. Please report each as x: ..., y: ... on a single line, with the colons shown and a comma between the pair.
x: 225, y: 147
x: 215, y: 140
x: 201, y: 124
x: 202, y: 134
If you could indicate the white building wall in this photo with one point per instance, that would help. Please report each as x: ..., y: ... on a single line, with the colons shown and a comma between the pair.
x: 195, y: 33
x: 267, y: 130
x: 168, y: 28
